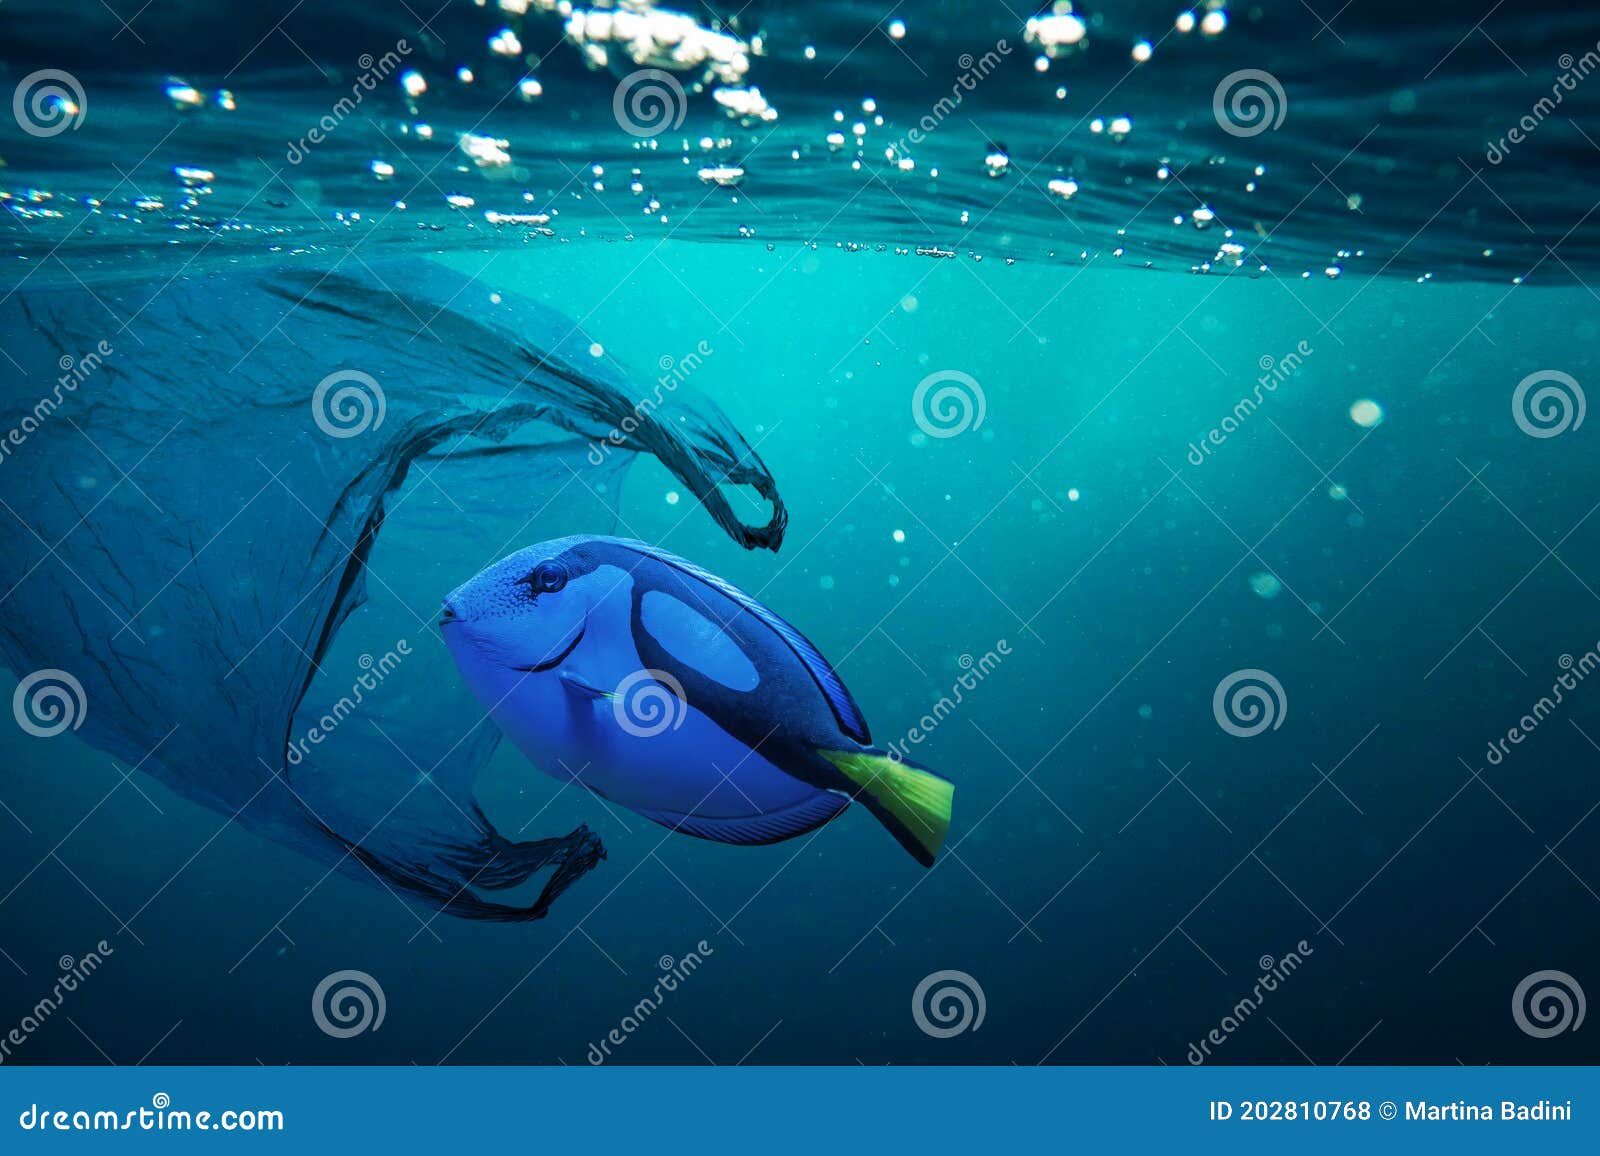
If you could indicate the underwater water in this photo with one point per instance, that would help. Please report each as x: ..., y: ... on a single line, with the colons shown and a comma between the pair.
x: 1210, y: 498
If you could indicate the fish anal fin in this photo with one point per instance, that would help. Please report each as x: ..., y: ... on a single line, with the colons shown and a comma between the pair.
x: 756, y: 830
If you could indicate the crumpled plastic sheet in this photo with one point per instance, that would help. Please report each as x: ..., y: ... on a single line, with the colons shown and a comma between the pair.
x: 193, y: 528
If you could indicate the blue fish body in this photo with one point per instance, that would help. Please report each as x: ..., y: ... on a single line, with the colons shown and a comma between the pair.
x: 664, y: 689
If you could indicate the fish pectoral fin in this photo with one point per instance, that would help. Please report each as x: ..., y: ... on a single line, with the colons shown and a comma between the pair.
x: 578, y: 684
x: 911, y: 801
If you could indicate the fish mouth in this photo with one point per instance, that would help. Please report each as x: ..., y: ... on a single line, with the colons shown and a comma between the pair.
x: 559, y: 658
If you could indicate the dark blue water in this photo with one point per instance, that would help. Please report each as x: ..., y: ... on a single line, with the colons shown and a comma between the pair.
x: 1312, y: 442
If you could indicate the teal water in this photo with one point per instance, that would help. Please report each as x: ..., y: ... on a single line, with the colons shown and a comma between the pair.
x: 1377, y: 531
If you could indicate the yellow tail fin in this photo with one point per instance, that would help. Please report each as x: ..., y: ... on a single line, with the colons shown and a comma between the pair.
x: 913, y: 803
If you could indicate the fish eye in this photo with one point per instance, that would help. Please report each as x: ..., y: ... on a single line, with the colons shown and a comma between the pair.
x: 546, y: 578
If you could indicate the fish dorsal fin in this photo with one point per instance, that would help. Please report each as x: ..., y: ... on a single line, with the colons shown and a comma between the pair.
x: 827, y: 679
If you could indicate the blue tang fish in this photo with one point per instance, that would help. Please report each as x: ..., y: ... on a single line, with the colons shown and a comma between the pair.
x: 661, y: 687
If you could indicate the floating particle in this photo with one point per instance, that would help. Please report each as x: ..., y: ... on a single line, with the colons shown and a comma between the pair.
x: 826, y: 582
x: 225, y: 100
x: 464, y: 75
x: 460, y: 201
x: 184, y: 95
x: 1142, y: 51
x: 383, y: 170
x: 1120, y: 127
x: 1213, y: 22
x: 1185, y: 22
x: 597, y: 350
x: 1145, y: 710
x: 486, y: 152
x: 1058, y: 32
x: 1337, y: 492
x: 1366, y: 413
x: 899, y: 535
x: 997, y: 163
x: 747, y: 105
x: 1203, y: 216
x: 1063, y: 187
x: 505, y: 43
x: 413, y: 84
x: 530, y: 89
x: 673, y: 497
x: 811, y: 53
x: 1265, y: 584
x: 897, y: 29
x: 727, y: 176
x: 1072, y: 494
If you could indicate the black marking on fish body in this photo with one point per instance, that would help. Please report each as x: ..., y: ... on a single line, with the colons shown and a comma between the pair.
x: 846, y: 713
x: 788, y: 715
